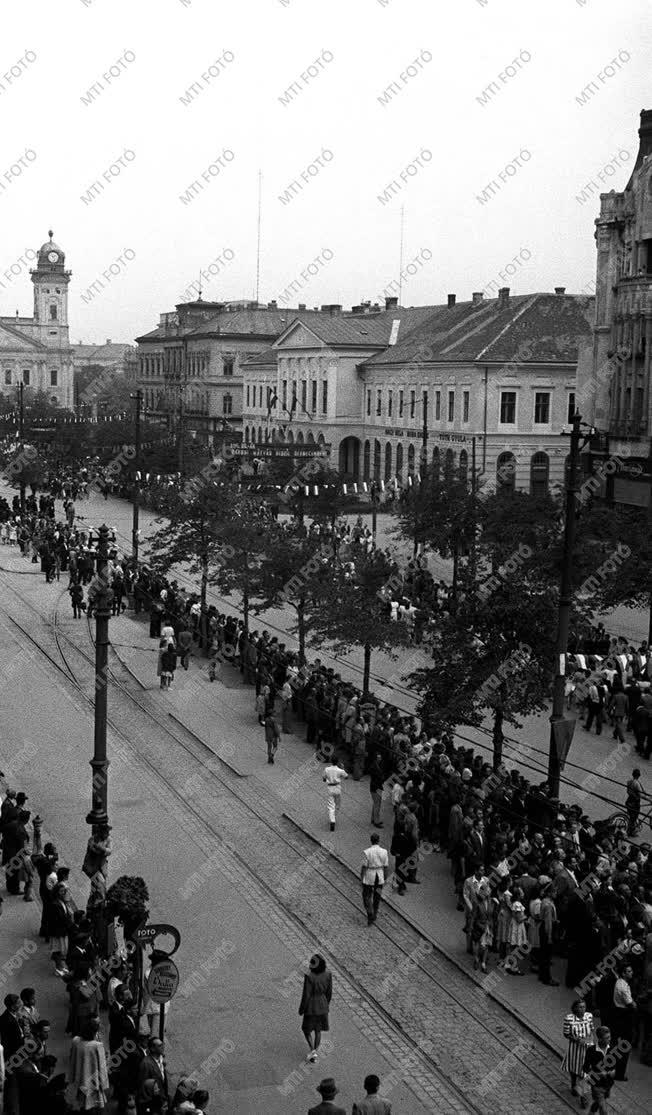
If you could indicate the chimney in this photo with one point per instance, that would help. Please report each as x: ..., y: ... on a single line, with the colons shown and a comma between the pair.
x: 302, y: 305
x: 391, y: 303
x: 560, y: 290
x: 272, y: 305
x: 108, y: 341
x: 331, y: 308
x: 503, y: 297
x: 478, y: 295
x: 645, y: 137
x: 451, y: 300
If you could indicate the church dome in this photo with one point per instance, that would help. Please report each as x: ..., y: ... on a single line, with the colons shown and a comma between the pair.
x: 50, y: 255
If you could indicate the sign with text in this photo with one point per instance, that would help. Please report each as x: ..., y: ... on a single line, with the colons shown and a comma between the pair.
x: 163, y: 981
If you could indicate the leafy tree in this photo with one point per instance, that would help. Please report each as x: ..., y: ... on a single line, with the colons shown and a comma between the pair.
x: 187, y: 535
x: 352, y: 611
x: 293, y: 571
x: 438, y: 513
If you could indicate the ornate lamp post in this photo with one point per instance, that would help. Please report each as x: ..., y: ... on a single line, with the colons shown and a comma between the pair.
x: 98, y: 850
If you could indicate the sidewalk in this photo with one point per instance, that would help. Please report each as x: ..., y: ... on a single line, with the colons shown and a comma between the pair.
x: 297, y: 783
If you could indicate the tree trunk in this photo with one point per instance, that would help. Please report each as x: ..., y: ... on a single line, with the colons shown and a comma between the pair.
x: 498, y: 737
x: 367, y: 669
x: 301, y: 631
x: 456, y: 565
x: 204, y: 580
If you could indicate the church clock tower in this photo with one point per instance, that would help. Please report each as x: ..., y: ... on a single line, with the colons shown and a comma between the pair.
x: 50, y: 280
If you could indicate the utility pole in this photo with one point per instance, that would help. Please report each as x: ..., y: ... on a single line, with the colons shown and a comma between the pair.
x: 373, y: 492
x: 99, y: 845
x: 420, y: 498
x: 182, y: 407
x: 21, y: 434
x: 561, y: 729
x: 135, y: 492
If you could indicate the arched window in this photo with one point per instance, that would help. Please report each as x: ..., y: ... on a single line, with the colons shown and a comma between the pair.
x: 539, y: 474
x: 290, y: 437
x: 399, y: 462
x: 506, y: 473
x: 449, y: 461
x: 366, y: 461
x: 410, y: 460
x: 388, y: 461
x: 376, y: 459
x: 463, y: 465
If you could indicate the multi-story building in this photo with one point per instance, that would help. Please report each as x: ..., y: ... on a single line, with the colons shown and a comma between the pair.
x: 36, y: 350
x: 191, y: 364
x: 495, y: 379
x: 615, y: 373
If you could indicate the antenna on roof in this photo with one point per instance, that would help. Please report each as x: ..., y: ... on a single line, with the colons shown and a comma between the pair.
x: 199, y: 285
x: 400, y: 257
x: 260, y: 203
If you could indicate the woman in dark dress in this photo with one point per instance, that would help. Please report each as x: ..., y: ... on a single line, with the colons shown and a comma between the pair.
x: 315, y: 1003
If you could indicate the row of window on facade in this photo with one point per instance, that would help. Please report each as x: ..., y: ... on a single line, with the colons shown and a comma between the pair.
x: 298, y: 397
x: 27, y: 376
x: 196, y: 364
x: 542, y: 406
x: 155, y: 400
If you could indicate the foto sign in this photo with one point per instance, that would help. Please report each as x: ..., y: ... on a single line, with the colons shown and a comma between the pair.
x: 147, y: 934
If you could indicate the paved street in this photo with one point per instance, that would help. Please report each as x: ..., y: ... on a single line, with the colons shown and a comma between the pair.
x: 237, y: 854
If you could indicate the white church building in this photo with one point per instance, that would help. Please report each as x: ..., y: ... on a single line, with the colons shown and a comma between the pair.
x: 36, y: 350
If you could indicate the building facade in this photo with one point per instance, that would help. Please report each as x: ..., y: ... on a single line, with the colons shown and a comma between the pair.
x: 615, y: 372
x: 487, y: 381
x: 190, y: 366
x: 36, y: 350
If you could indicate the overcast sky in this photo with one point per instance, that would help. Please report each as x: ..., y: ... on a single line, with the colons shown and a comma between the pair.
x: 279, y: 86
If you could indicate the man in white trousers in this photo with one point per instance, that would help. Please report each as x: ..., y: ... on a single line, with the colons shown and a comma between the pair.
x: 333, y: 776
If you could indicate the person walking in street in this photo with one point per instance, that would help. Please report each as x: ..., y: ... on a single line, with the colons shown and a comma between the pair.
x: 594, y: 705
x: 376, y: 785
x: 272, y: 736
x: 579, y: 1030
x: 334, y: 773
x: 623, y: 1017
x: 599, y: 1067
x: 618, y: 710
x: 77, y: 599
x: 185, y: 645
x: 372, y: 1104
x: 375, y: 861
x: 327, y: 1091
x: 315, y: 1003
x: 633, y: 801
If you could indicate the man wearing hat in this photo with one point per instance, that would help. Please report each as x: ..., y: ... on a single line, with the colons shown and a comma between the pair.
x: 327, y: 1091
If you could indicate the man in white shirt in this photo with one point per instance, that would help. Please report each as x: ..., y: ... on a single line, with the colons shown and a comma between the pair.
x: 333, y: 776
x: 375, y: 861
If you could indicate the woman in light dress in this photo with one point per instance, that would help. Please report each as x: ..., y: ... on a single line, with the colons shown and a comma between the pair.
x: 517, y: 937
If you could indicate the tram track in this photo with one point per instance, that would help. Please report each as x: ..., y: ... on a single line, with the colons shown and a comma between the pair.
x: 475, y: 1013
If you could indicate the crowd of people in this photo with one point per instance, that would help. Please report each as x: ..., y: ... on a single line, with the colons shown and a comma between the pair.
x: 541, y: 886
x: 105, y: 1007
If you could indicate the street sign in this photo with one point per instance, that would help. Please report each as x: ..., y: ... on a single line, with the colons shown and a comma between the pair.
x: 163, y: 981
x: 148, y: 933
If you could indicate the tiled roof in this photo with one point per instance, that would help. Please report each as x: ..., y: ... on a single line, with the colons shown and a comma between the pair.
x: 111, y: 351
x: 366, y: 330
x: 345, y: 328
x: 268, y: 356
x: 530, y: 329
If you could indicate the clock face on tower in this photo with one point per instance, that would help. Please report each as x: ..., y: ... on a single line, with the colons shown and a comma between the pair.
x: 53, y: 257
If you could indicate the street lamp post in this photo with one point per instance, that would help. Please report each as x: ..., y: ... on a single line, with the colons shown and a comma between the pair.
x: 99, y: 844
x: 135, y: 492
x: 373, y: 492
x: 561, y: 729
